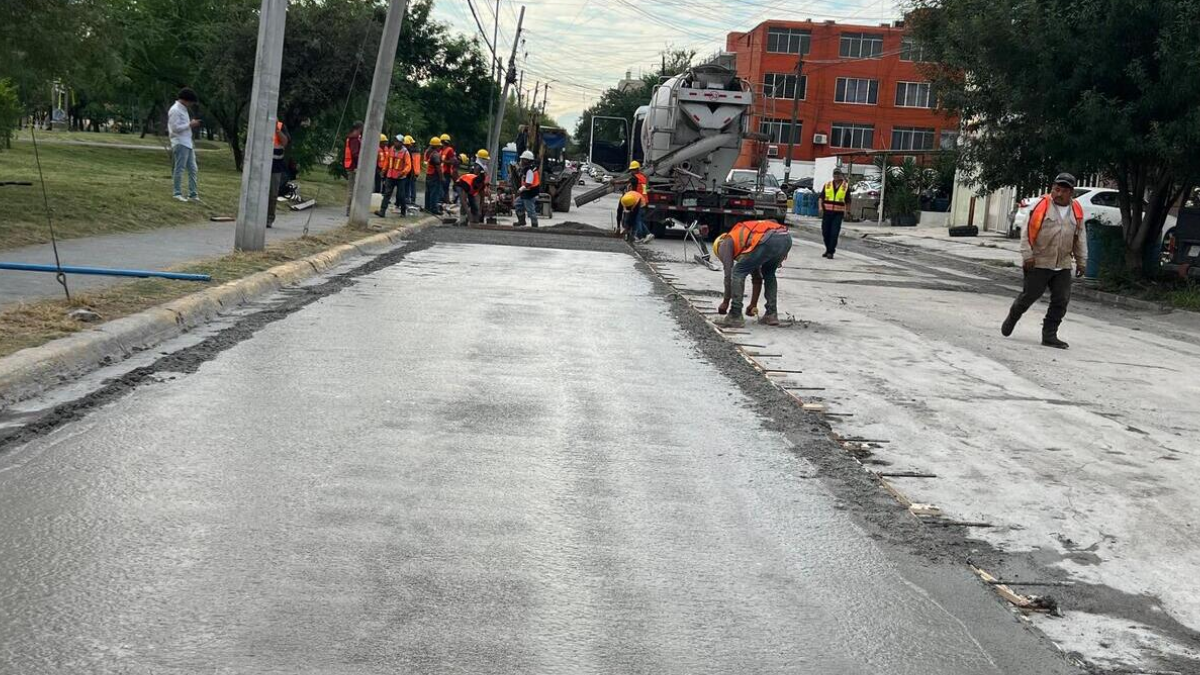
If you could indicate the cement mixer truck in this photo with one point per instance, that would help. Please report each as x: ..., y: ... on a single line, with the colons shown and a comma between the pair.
x: 688, y: 139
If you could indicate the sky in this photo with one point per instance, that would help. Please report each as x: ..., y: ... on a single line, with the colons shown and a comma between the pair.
x: 585, y: 46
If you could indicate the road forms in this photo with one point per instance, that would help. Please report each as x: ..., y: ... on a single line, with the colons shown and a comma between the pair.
x: 1069, y: 474
x: 470, y: 457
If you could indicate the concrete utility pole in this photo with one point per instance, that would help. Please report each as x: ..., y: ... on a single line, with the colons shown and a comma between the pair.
x: 381, y: 85
x: 545, y: 97
x: 787, y: 162
x: 510, y: 78
x: 251, y: 232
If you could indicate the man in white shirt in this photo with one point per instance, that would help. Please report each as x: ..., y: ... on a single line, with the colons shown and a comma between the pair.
x: 179, y: 126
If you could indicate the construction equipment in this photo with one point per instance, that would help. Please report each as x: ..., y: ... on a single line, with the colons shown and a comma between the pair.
x: 688, y: 139
x: 548, y: 145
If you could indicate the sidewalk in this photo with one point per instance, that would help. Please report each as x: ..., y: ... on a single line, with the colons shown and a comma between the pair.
x: 148, y: 249
x: 989, y: 247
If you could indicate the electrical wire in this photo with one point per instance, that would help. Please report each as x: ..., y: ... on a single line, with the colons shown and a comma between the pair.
x: 37, y: 158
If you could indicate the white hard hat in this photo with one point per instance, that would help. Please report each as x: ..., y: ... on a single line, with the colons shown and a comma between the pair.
x: 528, y: 154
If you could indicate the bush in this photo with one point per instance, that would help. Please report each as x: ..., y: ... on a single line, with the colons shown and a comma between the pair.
x: 10, y: 111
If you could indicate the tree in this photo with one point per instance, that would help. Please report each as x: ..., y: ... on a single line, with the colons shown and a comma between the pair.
x: 1108, y: 86
x: 10, y: 111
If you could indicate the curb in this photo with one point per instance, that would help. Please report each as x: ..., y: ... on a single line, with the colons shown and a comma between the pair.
x: 1078, y: 289
x: 28, y: 372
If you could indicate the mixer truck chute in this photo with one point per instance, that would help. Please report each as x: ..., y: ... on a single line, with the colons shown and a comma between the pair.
x: 687, y: 139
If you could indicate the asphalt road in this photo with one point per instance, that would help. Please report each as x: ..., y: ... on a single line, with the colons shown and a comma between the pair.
x: 481, y: 459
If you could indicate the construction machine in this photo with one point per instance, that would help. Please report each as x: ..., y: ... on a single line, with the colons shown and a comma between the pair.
x: 687, y: 139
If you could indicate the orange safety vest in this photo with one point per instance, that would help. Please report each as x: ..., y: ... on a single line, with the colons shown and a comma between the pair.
x: 746, y: 235
x: 642, y: 199
x: 279, y: 137
x: 474, y: 182
x: 382, y: 157
x: 640, y: 179
x: 537, y: 180
x: 449, y: 161
x: 348, y: 160
x: 399, y: 163
x: 835, y: 198
x: 1039, y: 214
x: 429, y: 171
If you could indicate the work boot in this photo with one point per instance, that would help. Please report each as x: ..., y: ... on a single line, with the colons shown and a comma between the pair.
x: 1010, y: 322
x: 732, y: 320
x: 769, y: 319
x: 1053, y: 341
x: 381, y: 213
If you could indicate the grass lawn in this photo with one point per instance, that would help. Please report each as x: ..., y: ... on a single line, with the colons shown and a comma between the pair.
x: 107, y: 138
x: 33, y: 324
x: 100, y: 190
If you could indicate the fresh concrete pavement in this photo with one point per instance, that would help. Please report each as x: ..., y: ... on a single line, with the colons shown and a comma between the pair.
x: 473, y: 457
x: 1079, y: 467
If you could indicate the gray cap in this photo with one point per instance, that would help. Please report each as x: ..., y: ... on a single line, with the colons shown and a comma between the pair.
x: 838, y: 170
x: 1065, y: 179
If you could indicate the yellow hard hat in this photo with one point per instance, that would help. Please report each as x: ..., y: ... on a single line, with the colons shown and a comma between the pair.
x: 630, y: 198
x: 483, y: 154
x: 383, y: 138
x: 435, y: 142
x: 717, y: 243
x: 635, y: 165
x: 445, y: 138
x: 463, y: 158
x: 408, y: 140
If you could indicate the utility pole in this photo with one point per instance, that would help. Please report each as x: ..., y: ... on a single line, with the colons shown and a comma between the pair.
x: 381, y: 85
x: 251, y: 232
x: 520, y: 88
x: 545, y: 97
x: 510, y: 78
x: 787, y: 162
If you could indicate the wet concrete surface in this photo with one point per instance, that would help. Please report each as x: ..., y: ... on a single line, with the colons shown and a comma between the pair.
x: 471, y: 457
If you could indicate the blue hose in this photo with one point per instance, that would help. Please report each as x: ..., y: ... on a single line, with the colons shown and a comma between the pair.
x: 103, y: 271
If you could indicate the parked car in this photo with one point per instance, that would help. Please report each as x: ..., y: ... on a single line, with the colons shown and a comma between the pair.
x: 1098, y: 204
x: 748, y: 178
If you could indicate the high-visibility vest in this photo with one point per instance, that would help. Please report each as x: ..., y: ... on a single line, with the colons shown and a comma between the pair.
x: 537, y: 180
x: 746, y: 235
x: 399, y: 163
x: 639, y: 180
x: 381, y: 158
x: 348, y: 160
x: 278, y: 135
x: 642, y: 199
x: 449, y: 161
x: 835, y: 198
x: 428, y: 154
x: 1038, y: 214
x: 474, y: 182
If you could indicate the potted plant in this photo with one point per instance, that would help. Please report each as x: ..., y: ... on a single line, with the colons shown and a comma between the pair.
x: 902, y: 196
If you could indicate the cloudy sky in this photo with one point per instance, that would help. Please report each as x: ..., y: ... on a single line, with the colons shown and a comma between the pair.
x: 585, y: 46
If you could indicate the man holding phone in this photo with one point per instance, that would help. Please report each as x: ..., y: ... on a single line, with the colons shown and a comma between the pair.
x: 183, y: 152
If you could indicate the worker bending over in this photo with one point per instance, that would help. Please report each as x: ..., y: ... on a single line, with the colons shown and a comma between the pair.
x: 531, y: 186
x: 629, y: 217
x: 752, y: 245
x: 470, y: 194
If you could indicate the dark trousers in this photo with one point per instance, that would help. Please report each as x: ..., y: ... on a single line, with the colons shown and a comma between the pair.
x: 276, y: 181
x: 831, y: 229
x: 411, y: 185
x: 433, y: 195
x: 1037, y: 281
x: 765, y: 258
x: 394, y: 187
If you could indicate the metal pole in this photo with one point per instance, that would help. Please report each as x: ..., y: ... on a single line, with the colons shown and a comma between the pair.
x: 381, y: 85
x: 510, y: 79
x: 545, y: 98
x: 787, y: 162
x: 251, y: 231
x: 883, y: 176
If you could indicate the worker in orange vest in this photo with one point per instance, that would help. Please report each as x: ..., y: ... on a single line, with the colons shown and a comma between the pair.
x: 433, y: 176
x: 751, y: 245
x: 411, y: 180
x: 381, y: 162
x: 470, y: 192
x: 278, y: 166
x: 399, y: 166
x: 630, y: 218
x: 449, y: 168
x: 834, y: 200
x: 637, y: 179
x: 531, y: 187
x: 350, y: 160
x: 1053, y: 239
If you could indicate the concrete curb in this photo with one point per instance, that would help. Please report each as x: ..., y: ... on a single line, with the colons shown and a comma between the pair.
x: 31, y: 371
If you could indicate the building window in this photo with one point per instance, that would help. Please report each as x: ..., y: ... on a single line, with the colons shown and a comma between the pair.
x: 913, y: 95
x: 853, y: 90
x: 847, y: 135
x: 780, y: 131
x: 912, y: 138
x: 912, y: 50
x: 861, y: 45
x: 783, y: 85
x: 949, y: 140
x: 788, y: 40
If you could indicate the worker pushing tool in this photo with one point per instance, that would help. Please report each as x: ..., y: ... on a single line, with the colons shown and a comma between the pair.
x: 751, y: 245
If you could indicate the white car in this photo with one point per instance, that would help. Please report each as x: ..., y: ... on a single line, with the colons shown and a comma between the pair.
x: 747, y: 178
x: 1098, y: 204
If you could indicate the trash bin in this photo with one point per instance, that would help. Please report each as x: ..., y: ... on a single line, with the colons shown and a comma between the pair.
x: 1105, y: 248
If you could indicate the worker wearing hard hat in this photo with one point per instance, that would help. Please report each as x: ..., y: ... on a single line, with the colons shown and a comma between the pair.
x: 433, y: 176
x: 531, y: 186
x: 449, y: 167
x: 752, y: 245
x: 629, y: 217
x: 381, y: 163
x: 411, y: 182
x: 481, y: 160
x: 398, y: 168
x: 637, y: 179
x: 350, y: 160
x: 470, y: 186
x: 833, y: 203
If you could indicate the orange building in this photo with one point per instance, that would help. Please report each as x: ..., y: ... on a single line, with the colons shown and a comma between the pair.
x: 861, y: 89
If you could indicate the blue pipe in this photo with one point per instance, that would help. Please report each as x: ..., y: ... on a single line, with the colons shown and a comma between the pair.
x: 103, y: 271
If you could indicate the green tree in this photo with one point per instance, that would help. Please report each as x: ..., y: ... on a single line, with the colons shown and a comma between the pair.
x: 10, y: 111
x: 1094, y: 87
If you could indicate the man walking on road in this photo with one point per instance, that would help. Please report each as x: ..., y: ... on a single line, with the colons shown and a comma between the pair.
x: 833, y: 204
x: 752, y: 245
x: 183, y: 152
x: 1053, y: 237
x: 350, y: 160
x: 531, y: 186
x: 278, y: 168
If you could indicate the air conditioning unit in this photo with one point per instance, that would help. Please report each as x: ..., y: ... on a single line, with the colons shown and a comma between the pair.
x: 820, y: 139
x: 772, y: 151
